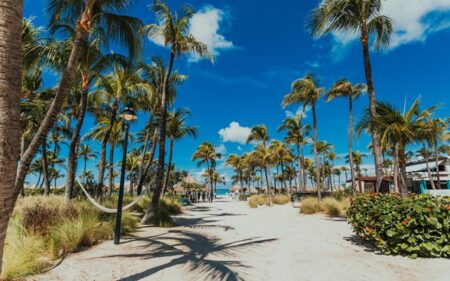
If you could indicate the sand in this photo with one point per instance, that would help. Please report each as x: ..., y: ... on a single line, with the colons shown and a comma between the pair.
x: 227, y: 240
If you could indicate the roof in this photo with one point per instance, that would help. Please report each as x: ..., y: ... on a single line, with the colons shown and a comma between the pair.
x: 430, y: 160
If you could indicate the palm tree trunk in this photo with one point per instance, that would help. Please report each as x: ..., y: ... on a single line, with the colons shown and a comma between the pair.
x: 436, y: 153
x: 85, y: 165
x: 169, y: 167
x: 38, y: 180
x: 162, y: 144
x: 350, y: 143
x: 299, y: 163
x: 102, y: 164
x: 71, y: 162
x: 10, y: 89
x: 53, y: 111
x: 45, y: 168
x: 22, y: 150
x: 149, y: 163
x: 316, y: 155
x: 269, y: 193
x: 111, y: 169
x: 372, y: 105
x: 144, y: 151
x: 427, y: 159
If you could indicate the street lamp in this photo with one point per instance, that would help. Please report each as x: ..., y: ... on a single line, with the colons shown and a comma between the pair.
x: 127, y: 116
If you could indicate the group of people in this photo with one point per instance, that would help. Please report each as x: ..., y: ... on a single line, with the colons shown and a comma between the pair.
x: 198, y: 196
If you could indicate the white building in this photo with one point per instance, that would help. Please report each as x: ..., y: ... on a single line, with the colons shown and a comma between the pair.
x: 418, y: 175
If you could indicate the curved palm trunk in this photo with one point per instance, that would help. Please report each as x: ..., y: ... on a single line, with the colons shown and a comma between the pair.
x: 436, y: 152
x: 169, y: 167
x: 53, y: 111
x: 10, y: 89
x: 102, y: 165
x: 162, y: 144
x: 427, y: 159
x: 45, y: 168
x: 111, y: 169
x: 316, y: 155
x: 395, y: 179
x: 372, y: 105
x: 73, y: 152
x: 149, y: 163
x: 350, y: 143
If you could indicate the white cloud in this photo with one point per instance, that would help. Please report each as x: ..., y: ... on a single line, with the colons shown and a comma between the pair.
x: 235, y: 133
x: 290, y: 114
x: 205, y: 26
x: 221, y: 149
x: 414, y: 21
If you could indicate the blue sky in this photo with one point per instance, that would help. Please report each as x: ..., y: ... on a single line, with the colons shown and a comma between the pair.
x: 261, y: 47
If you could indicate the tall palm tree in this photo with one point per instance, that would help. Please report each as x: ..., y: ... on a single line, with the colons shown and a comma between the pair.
x: 10, y: 90
x: 264, y: 157
x: 90, y: 16
x: 259, y: 133
x: 238, y: 164
x: 363, y: 17
x: 307, y: 91
x: 86, y: 153
x: 296, y: 134
x: 176, y: 130
x: 345, y: 89
x: 206, y: 154
x: 173, y: 29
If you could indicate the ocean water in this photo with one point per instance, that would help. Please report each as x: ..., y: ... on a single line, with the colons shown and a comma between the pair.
x: 222, y: 191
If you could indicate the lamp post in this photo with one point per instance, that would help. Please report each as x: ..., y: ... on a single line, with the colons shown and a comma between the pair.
x: 127, y: 116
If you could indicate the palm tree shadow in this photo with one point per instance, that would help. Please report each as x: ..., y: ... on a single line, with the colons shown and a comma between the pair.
x: 193, y: 250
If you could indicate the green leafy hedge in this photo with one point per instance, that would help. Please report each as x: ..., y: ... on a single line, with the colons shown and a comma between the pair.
x: 416, y: 226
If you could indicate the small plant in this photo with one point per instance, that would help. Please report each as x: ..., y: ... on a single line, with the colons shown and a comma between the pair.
x: 281, y: 199
x: 332, y: 207
x: 309, y: 205
x: 257, y: 200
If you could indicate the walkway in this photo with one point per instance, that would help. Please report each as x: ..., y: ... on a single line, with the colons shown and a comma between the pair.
x: 227, y: 240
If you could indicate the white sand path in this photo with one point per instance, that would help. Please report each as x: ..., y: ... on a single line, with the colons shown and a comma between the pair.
x: 227, y: 240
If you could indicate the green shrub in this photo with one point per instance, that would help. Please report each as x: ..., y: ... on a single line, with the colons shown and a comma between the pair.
x: 281, y: 199
x: 129, y: 223
x: 342, y: 194
x: 162, y: 216
x: 416, y: 226
x: 173, y: 205
x: 309, y: 205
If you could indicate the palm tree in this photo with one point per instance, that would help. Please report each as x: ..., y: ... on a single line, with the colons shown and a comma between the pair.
x: 357, y: 157
x: 363, y: 17
x: 206, y: 154
x: 345, y: 89
x: 264, y: 157
x: 238, y: 164
x: 10, y: 90
x: 132, y: 165
x: 174, y: 31
x: 176, y: 130
x: 121, y: 85
x: 436, y: 130
x: 296, y: 134
x: 345, y: 170
x: 259, y: 133
x: 86, y: 153
x: 398, y: 130
x: 91, y: 16
x: 307, y: 92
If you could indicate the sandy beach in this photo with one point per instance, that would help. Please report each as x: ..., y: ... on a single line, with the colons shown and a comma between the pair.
x: 227, y: 240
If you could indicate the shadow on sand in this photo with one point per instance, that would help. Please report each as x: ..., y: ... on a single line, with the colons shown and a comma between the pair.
x: 193, y: 251
x: 366, y: 246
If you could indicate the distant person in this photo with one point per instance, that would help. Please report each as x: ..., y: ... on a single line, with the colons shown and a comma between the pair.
x: 204, y: 196
x: 198, y: 196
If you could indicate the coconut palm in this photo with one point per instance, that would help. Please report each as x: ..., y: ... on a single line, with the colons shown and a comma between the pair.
x: 436, y: 130
x: 259, y: 134
x: 296, y: 135
x: 132, y: 165
x: 238, y: 163
x: 173, y: 30
x: 263, y: 156
x: 206, y: 154
x: 307, y: 91
x: 363, y: 17
x: 345, y: 89
x: 90, y: 16
x: 357, y: 157
x: 86, y: 153
x: 176, y: 130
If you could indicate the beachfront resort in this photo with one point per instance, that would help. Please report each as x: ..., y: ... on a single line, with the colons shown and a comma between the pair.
x: 224, y: 140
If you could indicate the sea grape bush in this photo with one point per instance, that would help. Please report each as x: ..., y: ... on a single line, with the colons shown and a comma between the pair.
x: 415, y: 226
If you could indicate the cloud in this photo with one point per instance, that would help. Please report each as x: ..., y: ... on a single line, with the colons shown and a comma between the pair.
x: 205, y: 26
x: 290, y: 114
x: 414, y: 21
x: 235, y: 133
x: 221, y: 149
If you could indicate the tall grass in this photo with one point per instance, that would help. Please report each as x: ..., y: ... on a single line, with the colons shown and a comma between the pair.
x: 330, y: 206
x: 309, y: 205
